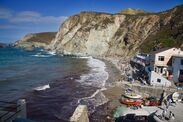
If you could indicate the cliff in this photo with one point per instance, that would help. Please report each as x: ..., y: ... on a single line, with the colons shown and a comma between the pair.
x: 121, y: 34
x: 33, y: 40
x: 108, y: 35
x: 170, y: 32
x: 3, y: 45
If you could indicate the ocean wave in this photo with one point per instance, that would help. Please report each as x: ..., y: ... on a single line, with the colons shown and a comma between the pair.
x: 95, y: 100
x: 42, y: 56
x: 85, y: 57
x: 40, y: 88
x: 97, y: 77
x: 42, y: 50
x: 51, y: 52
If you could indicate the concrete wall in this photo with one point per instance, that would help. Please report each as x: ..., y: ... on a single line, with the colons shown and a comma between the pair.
x: 153, y: 78
x: 176, y: 64
x: 80, y: 114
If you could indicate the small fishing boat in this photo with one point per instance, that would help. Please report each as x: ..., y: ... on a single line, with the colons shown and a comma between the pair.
x: 131, y: 99
x: 152, y: 101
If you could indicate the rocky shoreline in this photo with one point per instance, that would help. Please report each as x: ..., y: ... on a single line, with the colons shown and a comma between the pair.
x: 117, y: 69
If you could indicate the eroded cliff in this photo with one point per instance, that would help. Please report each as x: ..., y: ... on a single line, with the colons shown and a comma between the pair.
x: 33, y: 40
x: 108, y: 35
x: 122, y: 34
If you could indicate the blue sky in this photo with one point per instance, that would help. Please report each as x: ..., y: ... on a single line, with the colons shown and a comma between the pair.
x: 19, y: 17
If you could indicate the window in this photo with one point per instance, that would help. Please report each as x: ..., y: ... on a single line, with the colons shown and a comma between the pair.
x: 161, y: 70
x: 181, y: 72
x: 161, y: 58
x: 159, y: 80
x: 181, y: 61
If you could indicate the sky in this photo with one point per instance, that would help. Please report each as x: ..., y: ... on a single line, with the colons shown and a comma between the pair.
x: 20, y: 17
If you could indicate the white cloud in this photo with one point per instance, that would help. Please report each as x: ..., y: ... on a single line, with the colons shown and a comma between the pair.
x: 17, y: 24
x: 11, y: 26
x: 35, y: 17
x: 28, y: 14
x: 27, y: 17
x: 5, y: 13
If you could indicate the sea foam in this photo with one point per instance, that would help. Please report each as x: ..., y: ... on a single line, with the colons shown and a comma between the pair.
x: 40, y: 88
x: 51, y: 52
x: 96, y: 78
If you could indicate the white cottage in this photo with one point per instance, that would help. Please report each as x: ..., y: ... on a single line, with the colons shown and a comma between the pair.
x: 160, y: 60
x: 157, y: 80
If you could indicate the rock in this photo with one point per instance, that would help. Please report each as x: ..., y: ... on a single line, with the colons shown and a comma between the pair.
x: 3, y: 45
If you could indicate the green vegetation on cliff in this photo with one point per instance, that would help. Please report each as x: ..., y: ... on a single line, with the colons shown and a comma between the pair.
x: 169, y: 35
x: 36, y: 40
x: 44, y: 37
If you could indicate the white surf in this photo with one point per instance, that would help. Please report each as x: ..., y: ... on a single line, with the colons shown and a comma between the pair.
x: 40, y: 88
x: 97, y: 77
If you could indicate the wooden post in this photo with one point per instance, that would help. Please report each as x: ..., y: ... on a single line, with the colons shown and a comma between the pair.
x: 21, y: 103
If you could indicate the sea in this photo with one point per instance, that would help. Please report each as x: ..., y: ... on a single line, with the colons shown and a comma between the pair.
x: 53, y: 85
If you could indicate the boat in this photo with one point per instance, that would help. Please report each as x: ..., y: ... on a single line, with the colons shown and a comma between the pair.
x: 175, y: 97
x: 131, y: 99
x: 130, y: 114
x: 152, y: 101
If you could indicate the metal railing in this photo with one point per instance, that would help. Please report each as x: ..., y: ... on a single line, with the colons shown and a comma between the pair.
x: 9, y: 111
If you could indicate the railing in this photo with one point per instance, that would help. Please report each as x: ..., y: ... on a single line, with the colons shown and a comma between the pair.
x: 11, y: 110
x: 138, y: 61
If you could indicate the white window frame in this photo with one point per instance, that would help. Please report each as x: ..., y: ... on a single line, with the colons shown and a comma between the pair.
x: 161, y: 58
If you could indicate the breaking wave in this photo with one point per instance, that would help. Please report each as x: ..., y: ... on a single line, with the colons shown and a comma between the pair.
x: 44, y: 54
x: 97, y: 78
x: 51, y: 52
x: 40, y: 88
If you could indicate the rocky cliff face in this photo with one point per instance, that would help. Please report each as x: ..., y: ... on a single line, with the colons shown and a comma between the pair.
x: 170, y: 33
x: 101, y: 34
x: 109, y: 35
x: 41, y: 40
x: 3, y: 45
x: 122, y: 34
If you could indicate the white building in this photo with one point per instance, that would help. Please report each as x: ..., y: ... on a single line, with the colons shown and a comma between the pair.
x: 160, y: 60
x: 177, y: 67
x: 157, y: 80
x: 166, y: 65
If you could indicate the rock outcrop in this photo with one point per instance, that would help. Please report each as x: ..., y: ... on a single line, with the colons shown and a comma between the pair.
x: 170, y: 33
x: 34, y: 40
x: 3, y: 45
x: 103, y: 34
